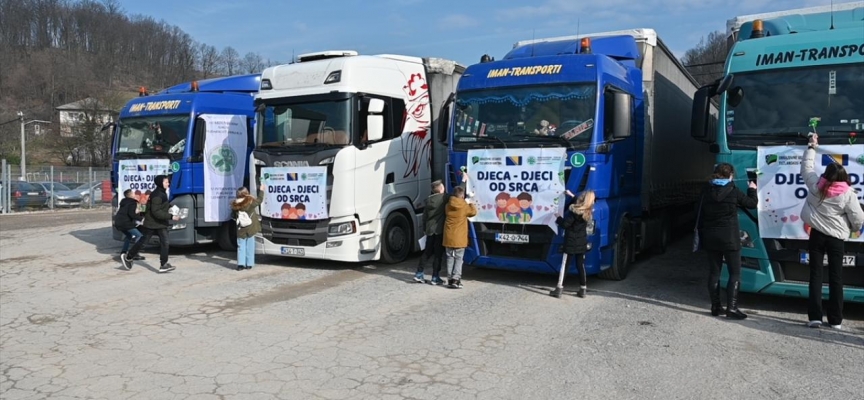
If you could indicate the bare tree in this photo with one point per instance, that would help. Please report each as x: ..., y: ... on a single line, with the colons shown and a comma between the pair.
x: 230, y: 61
x: 705, y: 61
x: 208, y: 58
x: 55, y: 52
x: 252, y: 63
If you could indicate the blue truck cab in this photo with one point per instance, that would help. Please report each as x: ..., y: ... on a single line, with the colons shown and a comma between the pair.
x: 629, y: 99
x: 180, y: 138
x: 782, y: 69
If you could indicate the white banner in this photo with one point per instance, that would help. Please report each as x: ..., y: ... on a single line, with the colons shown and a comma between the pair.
x: 782, y: 191
x: 517, y: 186
x: 295, y: 192
x: 138, y: 175
x: 225, y: 158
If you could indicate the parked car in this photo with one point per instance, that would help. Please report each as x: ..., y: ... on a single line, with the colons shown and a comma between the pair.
x: 83, y: 189
x: 63, y: 196
x: 27, y: 195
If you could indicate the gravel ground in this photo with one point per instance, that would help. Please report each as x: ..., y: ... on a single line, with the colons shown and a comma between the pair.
x: 75, y: 325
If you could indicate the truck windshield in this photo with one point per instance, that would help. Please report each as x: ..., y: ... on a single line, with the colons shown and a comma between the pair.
x: 559, y: 112
x: 781, y: 102
x: 302, y: 124
x: 153, y: 135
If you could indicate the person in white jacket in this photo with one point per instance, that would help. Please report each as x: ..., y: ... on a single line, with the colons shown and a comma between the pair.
x: 833, y: 212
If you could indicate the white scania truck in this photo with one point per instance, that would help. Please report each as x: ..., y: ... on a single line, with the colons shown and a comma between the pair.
x: 372, y: 123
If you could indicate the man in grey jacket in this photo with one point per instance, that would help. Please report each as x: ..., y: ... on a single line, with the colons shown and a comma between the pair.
x: 433, y: 220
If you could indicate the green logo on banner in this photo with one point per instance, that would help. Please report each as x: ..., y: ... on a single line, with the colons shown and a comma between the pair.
x: 223, y: 160
x: 175, y: 167
x: 577, y: 160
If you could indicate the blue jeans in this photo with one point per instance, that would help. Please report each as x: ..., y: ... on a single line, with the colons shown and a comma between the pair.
x: 131, y: 235
x: 246, y: 252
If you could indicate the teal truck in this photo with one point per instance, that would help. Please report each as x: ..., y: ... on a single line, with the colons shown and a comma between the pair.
x: 788, y: 74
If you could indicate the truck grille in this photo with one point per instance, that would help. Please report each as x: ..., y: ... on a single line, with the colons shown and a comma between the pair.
x: 295, y: 232
x: 537, y: 250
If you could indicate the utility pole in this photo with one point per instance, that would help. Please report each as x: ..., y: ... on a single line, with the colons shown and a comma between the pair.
x: 24, y: 143
x: 23, y: 149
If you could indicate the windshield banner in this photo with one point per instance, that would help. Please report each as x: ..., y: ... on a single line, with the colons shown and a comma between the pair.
x: 225, y: 157
x: 782, y: 191
x: 138, y: 175
x: 517, y: 186
x: 295, y: 193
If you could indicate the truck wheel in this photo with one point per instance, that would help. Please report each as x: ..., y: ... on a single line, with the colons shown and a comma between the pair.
x: 396, y: 243
x: 665, y: 236
x: 227, y: 236
x: 621, y: 258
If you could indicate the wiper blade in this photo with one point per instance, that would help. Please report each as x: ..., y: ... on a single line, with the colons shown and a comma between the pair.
x: 556, y: 138
x: 855, y: 131
x: 492, y: 139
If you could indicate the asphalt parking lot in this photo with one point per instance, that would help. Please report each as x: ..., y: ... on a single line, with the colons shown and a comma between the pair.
x: 73, y: 325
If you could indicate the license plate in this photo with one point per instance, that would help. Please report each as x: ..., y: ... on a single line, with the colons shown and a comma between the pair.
x: 510, y: 238
x: 293, y: 251
x: 848, y: 261
x: 32, y: 194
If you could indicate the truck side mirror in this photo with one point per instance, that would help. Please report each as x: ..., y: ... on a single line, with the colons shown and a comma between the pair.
x: 723, y: 84
x: 375, y: 120
x: 701, y: 126
x: 444, y: 119
x: 622, y: 114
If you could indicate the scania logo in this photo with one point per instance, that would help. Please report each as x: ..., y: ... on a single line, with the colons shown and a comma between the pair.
x: 302, y: 163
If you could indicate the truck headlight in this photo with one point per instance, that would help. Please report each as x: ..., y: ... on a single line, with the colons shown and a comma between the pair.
x: 176, y: 227
x: 746, y: 240
x: 184, y: 212
x: 341, y: 229
x: 590, y: 228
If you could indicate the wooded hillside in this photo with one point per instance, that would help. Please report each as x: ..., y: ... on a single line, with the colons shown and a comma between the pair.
x: 54, y: 52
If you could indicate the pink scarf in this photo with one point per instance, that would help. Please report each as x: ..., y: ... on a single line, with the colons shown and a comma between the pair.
x: 835, y: 189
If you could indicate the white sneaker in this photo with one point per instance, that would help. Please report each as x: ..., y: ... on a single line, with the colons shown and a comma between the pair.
x: 814, y: 324
x: 837, y: 327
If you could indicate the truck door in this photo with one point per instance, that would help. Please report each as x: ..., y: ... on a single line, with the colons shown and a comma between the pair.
x: 378, y: 177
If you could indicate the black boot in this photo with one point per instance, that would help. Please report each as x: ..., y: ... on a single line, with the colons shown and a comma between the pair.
x: 581, y: 292
x: 732, y: 310
x: 714, y: 292
x: 556, y: 292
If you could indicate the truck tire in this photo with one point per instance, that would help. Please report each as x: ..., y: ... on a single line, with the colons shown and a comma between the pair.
x: 621, y: 258
x: 665, y: 235
x: 396, y: 238
x: 227, y: 236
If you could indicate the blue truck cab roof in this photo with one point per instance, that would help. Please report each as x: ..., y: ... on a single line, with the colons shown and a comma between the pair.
x: 557, y: 60
x: 181, y: 99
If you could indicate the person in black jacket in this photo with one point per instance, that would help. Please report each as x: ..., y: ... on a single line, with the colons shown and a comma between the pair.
x: 720, y: 236
x: 433, y: 222
x: 126, y: 220
x: 156, y: 220
x: 575, y: 225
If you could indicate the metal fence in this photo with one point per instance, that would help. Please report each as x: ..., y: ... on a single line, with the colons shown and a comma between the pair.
x: 84, y: 184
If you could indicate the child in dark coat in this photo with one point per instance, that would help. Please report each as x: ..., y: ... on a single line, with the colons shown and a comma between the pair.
x: 575, y: 225
x: 127, y: 220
